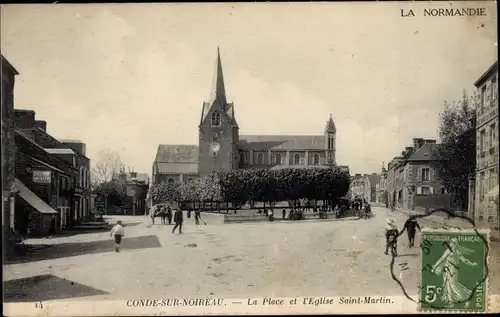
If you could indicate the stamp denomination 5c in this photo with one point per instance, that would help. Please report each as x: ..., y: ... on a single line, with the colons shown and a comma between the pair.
x: 454, y: 270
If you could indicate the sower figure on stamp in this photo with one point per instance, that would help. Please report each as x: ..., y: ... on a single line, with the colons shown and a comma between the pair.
x: 178, y: 219
x: 391, y: 237
x: 411, y: 226
x: 118, y: 233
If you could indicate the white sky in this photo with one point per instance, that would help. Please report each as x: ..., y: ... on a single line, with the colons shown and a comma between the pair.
x: 129, y: 77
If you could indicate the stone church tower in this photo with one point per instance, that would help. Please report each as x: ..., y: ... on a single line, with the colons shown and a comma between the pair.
x: 330, y: 141
x: 218, y: 130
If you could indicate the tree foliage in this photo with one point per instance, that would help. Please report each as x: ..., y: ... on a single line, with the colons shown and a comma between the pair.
x: 240, y: 186
x: 457, y: 151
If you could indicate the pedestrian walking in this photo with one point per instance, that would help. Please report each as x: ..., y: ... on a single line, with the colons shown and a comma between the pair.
x: 283, y: 214
x: 178, y: 220
x: 391, y: 237
x: 368, y: 210
x: 118, y: 233
x: 411, y: 226
x: 152, y: 213
x: 169, y: 214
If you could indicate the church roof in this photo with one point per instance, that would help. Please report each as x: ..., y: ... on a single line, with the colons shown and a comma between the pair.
x: 282, y: 142
x: 330, y: 125
x: 171, y: 153
x: 218, y: 95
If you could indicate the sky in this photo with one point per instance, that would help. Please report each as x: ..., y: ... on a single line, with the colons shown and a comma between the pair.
x: 127, y: 77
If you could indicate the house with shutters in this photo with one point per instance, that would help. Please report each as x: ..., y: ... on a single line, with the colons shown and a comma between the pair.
x: 222, y: 147
x: 412, y: 181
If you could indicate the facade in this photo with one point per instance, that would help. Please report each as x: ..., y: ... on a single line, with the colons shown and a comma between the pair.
x: 137, y: 187
x: 221, y: 147
x: 357, y: 186
x: 45, y: 189
x: 69, y: 196
x: 486, y: 211
x: 370, y: 187
x: 412, y: 181
x: 8, y: 147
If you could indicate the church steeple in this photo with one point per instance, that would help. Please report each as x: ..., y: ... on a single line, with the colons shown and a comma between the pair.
x: 330, y: 126
x: 218, y: 89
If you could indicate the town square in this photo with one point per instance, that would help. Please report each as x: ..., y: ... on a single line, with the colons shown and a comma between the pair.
x: 162, y: 151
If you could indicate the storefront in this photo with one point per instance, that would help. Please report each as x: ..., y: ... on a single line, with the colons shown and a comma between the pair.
x: 33, y: 217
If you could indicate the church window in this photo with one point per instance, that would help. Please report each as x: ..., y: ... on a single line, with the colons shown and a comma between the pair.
x: 296, y: 159
x: 260, y: 159
x: 216, y: 118
x: 278, y: 159
x: 171, y: 180
x: 316, y: 159
x: 242, y: 158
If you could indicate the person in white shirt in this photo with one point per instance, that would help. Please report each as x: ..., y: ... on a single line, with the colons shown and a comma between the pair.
x: 118, y: 233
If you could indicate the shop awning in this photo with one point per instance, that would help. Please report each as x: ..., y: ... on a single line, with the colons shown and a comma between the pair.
x: 32, y: 199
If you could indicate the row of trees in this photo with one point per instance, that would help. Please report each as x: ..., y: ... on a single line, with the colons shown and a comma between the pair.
x: 263, y: 185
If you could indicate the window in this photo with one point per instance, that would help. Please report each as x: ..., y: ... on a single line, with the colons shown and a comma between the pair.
x: 260, y: 159
x: 171, y: 181
x: 493, y: 88
x: 316, y: 159
x: 482, y: 137
x: 483, y: 97
x: 296, y: 159
x: 216, y: 118
x: 426, y: 190
x: 492, y: 179
x: 493, y: 136
x: 482, y: 184
x: 425, y: 177
x: 278, y: 159
x: 242, y: 158
x: 443, y: 190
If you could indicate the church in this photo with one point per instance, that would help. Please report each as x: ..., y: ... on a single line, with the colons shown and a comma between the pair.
x: 222, y: 147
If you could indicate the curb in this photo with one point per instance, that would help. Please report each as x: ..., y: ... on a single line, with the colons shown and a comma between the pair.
x: 292, y: 221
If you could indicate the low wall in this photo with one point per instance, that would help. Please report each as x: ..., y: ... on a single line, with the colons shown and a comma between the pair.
x: 209, y: 218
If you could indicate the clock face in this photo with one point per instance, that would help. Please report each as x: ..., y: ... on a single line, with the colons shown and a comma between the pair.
x: 215, y: 147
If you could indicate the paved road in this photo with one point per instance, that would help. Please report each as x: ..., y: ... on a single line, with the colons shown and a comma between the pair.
x: 236, y: 260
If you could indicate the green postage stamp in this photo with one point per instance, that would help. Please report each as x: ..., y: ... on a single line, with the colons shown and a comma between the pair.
x: 454, y: 270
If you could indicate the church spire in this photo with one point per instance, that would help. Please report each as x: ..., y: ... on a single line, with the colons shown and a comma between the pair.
x: 330, y: 126
x: 218, y: 90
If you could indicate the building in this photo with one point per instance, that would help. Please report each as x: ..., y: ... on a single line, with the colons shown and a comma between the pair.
x: 412, y: 181
x: 73, y: 196
x: 137, y: 187
x: 486, y: 211
x: 221, y: 147
x: 45, y: 189
x: 357, y: 186
x: 9, y: 74
x: 370, y: 187
x: 381, y: 188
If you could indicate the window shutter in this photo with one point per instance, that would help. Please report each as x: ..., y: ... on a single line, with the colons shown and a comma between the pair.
x: 431, y: 174
x: 419, y: 190
x: 419, y: 175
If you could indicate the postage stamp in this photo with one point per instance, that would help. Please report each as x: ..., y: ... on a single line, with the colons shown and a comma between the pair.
x: 454, y: 270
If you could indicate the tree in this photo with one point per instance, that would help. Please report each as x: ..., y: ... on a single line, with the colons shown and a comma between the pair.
x: 456, y: 156
x: 108, y: 165
x: 166, y: 192
x: 104, y: 176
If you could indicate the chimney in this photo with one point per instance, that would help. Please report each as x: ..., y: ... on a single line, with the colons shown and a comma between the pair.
x: 403, y: 154
x: 75, y: 145
x: 357, y: 175
x: 430, y: 141
x: 24, y: 119
x: 133, y: 175
x: 408, y: 149
x: 375, y: 174
x: 41, y: 124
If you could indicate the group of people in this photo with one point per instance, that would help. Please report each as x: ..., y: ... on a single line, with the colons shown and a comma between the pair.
x: 167, y: 215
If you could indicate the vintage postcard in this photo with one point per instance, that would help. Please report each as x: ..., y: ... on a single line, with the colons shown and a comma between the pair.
x: 250, y: 158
